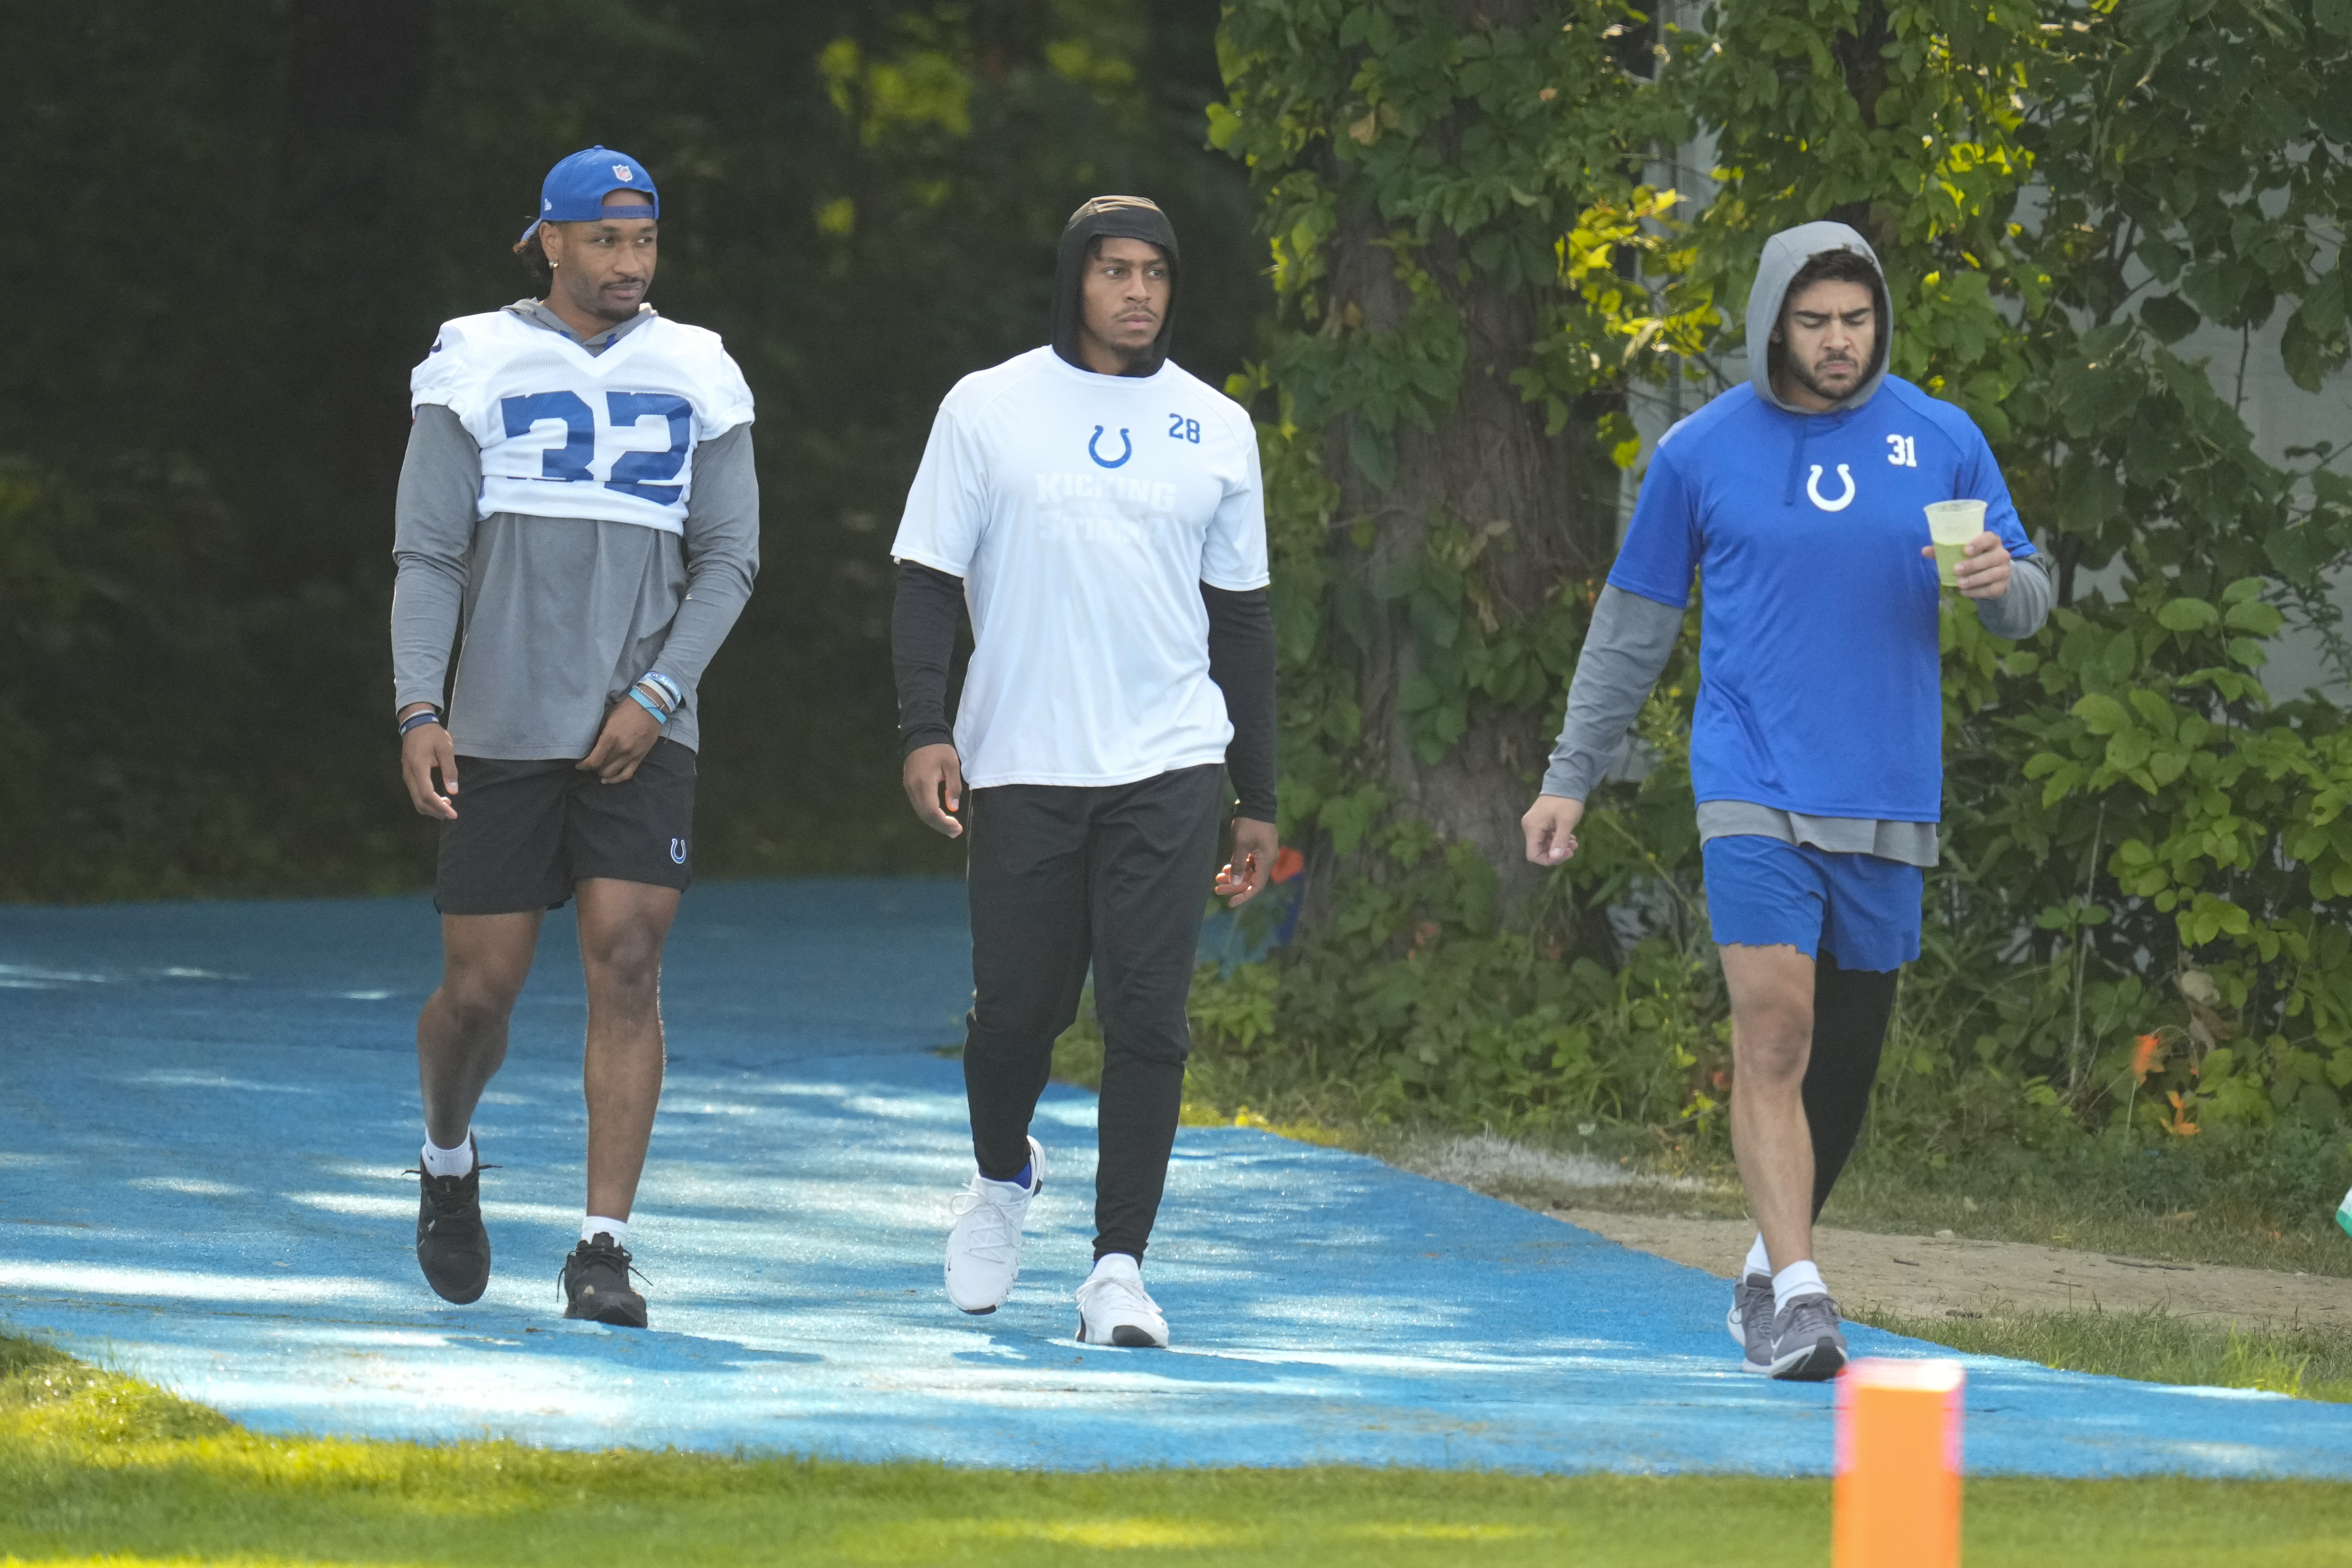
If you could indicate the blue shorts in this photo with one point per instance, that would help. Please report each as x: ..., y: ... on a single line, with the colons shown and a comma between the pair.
x: 1861, y: 909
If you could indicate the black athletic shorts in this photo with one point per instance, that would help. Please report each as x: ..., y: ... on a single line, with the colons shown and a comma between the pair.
x: 527, y: 831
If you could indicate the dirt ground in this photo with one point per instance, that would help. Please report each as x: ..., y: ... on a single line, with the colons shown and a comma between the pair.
x: 1948, y: 1276
x: 1912, y: 1276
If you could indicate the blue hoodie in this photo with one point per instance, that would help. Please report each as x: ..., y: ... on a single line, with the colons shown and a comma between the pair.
x: 1819, y: 689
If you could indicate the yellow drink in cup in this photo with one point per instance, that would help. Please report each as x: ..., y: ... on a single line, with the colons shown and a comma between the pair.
x: 1950, y: 525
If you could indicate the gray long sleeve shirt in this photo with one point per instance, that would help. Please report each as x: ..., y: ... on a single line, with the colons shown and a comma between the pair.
x: 560, y: 616
x: 1625, y: 651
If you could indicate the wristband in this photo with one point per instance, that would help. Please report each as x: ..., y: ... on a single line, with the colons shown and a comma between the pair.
x: 667, y: 688
x: 423, y: 716
x: 650, y: 705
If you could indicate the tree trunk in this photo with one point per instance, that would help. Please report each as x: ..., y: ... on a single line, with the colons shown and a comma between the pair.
x: 1487, y: 462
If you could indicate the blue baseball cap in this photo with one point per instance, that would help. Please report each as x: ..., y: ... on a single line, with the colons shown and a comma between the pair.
x: 576, y: 189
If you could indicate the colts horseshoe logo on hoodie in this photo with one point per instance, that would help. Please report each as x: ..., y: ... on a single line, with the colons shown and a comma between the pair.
x: 1845, y: 497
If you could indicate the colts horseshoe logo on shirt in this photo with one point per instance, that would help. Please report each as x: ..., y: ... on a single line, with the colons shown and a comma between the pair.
x: 1813, y: 489
x: 1125, y: 450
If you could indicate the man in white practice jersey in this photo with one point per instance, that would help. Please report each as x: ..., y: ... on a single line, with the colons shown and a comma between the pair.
x: 578, y: 499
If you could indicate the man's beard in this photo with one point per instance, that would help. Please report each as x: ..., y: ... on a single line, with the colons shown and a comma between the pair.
x: 1126, y: 355
x: 596, y: 305
x: 1806, y: 379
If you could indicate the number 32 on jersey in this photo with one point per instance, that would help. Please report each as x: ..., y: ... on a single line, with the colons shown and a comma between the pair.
x: 631, y: 469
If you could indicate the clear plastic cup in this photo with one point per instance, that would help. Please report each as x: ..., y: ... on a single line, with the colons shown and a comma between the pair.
x: 1950, y: 525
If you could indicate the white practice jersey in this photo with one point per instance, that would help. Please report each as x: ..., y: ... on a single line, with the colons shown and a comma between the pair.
x: 1084, y: 512
x: 565, y: 433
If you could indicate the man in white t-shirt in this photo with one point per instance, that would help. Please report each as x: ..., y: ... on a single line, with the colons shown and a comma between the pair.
x: 1100, y: 512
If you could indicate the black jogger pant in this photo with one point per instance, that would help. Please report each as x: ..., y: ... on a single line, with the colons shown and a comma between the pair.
x: 1851, y: 1008
x: 1059, y: 877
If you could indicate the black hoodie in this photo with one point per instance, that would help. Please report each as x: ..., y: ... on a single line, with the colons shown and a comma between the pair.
x: 1112, y: 218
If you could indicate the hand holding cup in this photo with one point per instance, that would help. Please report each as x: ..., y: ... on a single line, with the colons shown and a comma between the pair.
x: 1968, y: 556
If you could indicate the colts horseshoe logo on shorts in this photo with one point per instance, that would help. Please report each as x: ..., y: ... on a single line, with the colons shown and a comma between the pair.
x: 678, y: 850
x: 1813, y: 489
x: 1125, y: 450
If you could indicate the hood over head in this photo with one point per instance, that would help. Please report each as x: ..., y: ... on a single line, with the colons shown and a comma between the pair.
x: 1112, y: 218
x: 1785, y: 255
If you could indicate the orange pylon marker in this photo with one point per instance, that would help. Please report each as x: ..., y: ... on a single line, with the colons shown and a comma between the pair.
x: 1897, y: 1494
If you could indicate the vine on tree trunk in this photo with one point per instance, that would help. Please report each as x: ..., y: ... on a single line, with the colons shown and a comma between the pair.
x: 1459, y: 228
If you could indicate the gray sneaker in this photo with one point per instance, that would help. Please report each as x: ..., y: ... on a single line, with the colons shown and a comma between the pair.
x: 1750, y: 1320
x: 1806, y: 1344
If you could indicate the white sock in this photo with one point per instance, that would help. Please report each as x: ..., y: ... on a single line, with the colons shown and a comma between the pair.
x: 1116, y: 1263
x: 1795, y: 1280
x: 440, y: 1161
x: 597, y: 1224
x: 1758, y: 1260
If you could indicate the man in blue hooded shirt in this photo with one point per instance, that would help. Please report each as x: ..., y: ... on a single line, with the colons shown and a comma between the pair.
x: 1817, y: 746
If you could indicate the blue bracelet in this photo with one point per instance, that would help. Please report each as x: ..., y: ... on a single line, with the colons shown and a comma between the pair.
x: 650, y: 705
x: 668, y: 689
x: 417, y: 719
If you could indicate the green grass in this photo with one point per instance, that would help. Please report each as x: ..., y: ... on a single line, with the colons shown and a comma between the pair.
x: 96, y: 1468
x: 1889, y: 1195
x: 2152, y: 1346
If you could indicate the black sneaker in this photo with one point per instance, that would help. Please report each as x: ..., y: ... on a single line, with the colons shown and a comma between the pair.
x: 451, y: 1248
x: 597, y: 1285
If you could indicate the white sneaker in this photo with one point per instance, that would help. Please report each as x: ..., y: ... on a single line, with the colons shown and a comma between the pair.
x: 984, y: 1247
x: 1114, y: 1309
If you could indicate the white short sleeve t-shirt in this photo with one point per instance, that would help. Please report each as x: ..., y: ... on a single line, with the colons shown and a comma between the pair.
x: 565, y: 433
x: 1084, y: 512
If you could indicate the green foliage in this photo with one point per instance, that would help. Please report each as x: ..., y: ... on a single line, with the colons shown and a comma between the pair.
x: 1904, y: 119
x: 1492, y: 1026
x: 1498, y: 151
x: 2140, y: 844
x: 1424, y: 1004
x: 2174, y: 873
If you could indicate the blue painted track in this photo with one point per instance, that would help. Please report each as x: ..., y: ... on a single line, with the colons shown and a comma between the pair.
x: 203, y: 1109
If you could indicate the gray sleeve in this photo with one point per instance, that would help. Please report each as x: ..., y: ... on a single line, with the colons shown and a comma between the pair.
x: 2023, y: 606
x: 433, y: 535
x: 722, y: 555
x: 1625, y: 650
